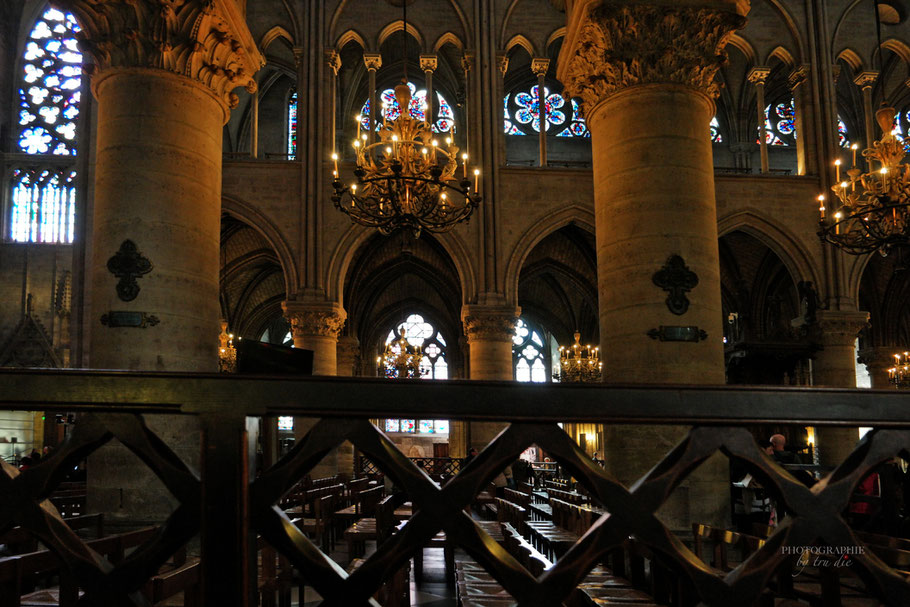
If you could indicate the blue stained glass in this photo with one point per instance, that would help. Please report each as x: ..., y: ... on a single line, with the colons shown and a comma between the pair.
x: 716, y: 137
x: 43, y: 205
x: 842, y: 135
x: 292, y: 126
x: 527, y: 112
x: 52, y: 77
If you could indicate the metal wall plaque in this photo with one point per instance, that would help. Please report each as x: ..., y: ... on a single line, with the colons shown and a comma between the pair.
x: 692, y: 334
x: 128, y: 264
x: 676, y: 279
x: 124, y: 318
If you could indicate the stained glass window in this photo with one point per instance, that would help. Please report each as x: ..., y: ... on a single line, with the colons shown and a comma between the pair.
x: 902, y: 127
x: 530, y: 353
x: 285, y: 423
x: 780, y: 124
x: 43, y: 199
x: 521, y: 114
x: 716, y: 137
x: 445, y: 118
x: 433, y: 365
x: 292, y: 125
x: 843, y: 138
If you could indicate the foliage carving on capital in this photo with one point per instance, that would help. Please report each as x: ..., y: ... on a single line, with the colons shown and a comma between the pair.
x: 320, y: 323
x: 205, y: 40
x: 840, y: 327
x: 623, y: 46
x: 489, y: 326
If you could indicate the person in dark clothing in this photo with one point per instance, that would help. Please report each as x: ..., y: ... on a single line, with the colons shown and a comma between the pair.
x: 471, y: 455
x: 781, y: 455
x: 521, y: 472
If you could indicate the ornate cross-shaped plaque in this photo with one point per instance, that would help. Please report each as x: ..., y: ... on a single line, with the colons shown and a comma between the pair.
x: 128, y: 264
x: 676, y: 279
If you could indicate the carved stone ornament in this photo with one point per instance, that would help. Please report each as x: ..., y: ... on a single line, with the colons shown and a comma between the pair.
x: 128, y: 264
x: 489, y: 327
x: 316, y: 323
x: 622, y: 46
x: 205, y: 40
x: 128, y: 319
x: 676, y: 279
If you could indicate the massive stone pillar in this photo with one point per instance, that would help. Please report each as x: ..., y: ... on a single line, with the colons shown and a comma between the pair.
x: 878, y: 360
x: 316, y: 327
x: 835, y: 367
x: 489, y: 330
x: 646, y: 75
x: 163, y: 76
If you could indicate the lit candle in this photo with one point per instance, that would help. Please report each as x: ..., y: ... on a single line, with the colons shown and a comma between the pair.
x: 435, y: 149
x: 837, y: 225
x: 837, y: 168
x: 884, y: 172
x: 854, y: 147
x: 394, y: 144
x: 464, y: 165
x: 477, y: 181
x: 335, y: 160
x: 821, y: 205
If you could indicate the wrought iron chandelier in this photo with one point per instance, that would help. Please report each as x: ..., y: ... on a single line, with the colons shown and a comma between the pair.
x: 400, y: 359
x: 227, y: 353
x: 579, y: 364
x: 407, y: 179
x: 874, y: 207
x: 899, y: 374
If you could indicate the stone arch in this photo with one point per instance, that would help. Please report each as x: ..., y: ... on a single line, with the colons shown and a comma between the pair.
x: 791, y: 251
x: 851, y: 58
x: 523, y: 42
x: 448, y: 38
x: 899, y: 48
x: 395, y: 27
x: 348, y: 37
x: 794, y: 30
x: 578, y: 215
x: 354, y: 238
x: 783, y: 55
x: 744, y: 46
x: 276, y: 33
x: 254, y: 218
x: 556, y: 35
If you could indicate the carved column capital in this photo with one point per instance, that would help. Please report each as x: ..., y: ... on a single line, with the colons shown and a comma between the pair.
x: 758, y: 75
x: 489, y: 323
x: 836, y: 327
x: 429, y: 63
x: 866, y: 79
x: 798, y: 76
x: 502, y: 62
x: 540, y: 66
x: 373, y: 61
x: 333, y: 60
x: 467, y: 61
x: 207, y: 41
x: 611, y: 47
x: 314, y: 320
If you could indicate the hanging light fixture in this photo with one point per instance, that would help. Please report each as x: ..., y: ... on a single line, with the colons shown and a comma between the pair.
x: 872, y: 207
x: 227, y: 353
x: 407, y: 179
x: 400, y: 359
x: 579, y: 364
x: 899, y: 374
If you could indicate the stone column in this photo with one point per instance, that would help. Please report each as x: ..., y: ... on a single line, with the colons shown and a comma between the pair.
x: 835, y: 367
x: 489, y: 330
x: 865, y: 81
x: 348, y: 356
x: 428, y: 64
x: 254, y: 126
x: 645, y: 74
x: 373, y: 61
x: 163, y: 78
x: 878, y: 360
x: 539, y: 67
x: 333, y: 60
x: 806, y: 155
x: 758, y: 76
x: 316, y: 327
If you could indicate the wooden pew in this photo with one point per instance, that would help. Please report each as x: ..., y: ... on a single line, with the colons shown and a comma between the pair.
x: 364, y: 528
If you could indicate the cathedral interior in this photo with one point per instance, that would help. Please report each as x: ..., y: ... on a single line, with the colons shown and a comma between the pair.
x: 649, y: 182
